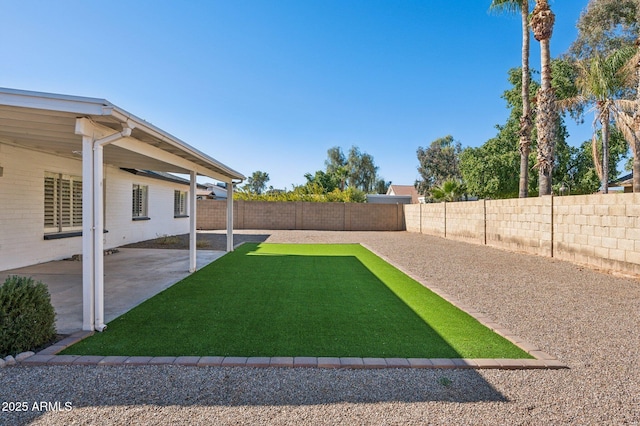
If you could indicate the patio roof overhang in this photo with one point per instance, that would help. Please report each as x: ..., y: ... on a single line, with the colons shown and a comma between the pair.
x: 47, y: 122
x: 99, y: 132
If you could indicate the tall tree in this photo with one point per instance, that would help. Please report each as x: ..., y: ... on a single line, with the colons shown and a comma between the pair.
x: 491, y: 170
x: 323, y: 180
x: 336, y: 164
x: 605, y: 27
x: 600, y: 83
x: 542, y: 20
x: 438, y: 163
x: 257, y: 182
x: 335, y: 159
x: 362, y: 170
x: 525, y: 120
x: 382, y: 186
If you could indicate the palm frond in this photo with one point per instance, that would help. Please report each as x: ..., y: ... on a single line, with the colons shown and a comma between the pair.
x: 596, y: 156
x: 506, y: 6
x: 566, y: 104
x: 628, y: 71
x: 626, y: 124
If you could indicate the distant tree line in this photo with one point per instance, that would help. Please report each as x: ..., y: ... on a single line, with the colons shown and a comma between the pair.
x: 345, y: 179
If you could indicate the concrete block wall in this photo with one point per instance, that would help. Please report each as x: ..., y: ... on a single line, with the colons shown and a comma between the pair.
x: 211, y: 214
x: 412, y: 218
x: 366, y: 217
x: 597, y: 230
x: 520, y: 224
x: 602, y: 230
x: 266, y: 215
x: 425, y: 218
x: 323, y: 216
x: 466, y: 221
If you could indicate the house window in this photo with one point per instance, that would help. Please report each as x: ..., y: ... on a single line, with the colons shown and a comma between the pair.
x: 180, y: 203
x: 140, y: 202
x: 62, y: 202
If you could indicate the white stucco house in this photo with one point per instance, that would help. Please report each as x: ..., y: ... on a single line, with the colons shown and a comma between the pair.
x: 68, y: 186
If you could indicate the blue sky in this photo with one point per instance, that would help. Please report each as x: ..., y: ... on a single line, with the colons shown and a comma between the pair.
x: 272, y: 84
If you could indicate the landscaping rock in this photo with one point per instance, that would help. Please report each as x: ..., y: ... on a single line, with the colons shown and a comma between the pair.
x: 2, y: 363
x: 9, y: 360
x: 24, y: 355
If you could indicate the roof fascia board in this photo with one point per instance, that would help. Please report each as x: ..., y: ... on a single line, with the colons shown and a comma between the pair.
x: 48, y: 101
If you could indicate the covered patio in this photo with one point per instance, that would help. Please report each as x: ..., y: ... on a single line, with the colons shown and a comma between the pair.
x: 68, y: 130
x: 131, y: 277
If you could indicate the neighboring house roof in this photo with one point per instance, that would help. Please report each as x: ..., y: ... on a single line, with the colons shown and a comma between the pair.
x: 47, y: 122
x: 626, y: 180
x: 388, y: 199
x: 404, y: 190
x: 218, y: 191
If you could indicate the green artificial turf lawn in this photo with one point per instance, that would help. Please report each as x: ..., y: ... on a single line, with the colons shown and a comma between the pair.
x: 330, y: 300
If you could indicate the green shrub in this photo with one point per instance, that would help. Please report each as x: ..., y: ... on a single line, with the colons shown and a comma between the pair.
x: 27, y: 318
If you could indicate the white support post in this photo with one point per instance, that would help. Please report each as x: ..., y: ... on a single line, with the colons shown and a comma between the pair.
x: 98, y: 241
x: 230, y: 215
x: 88, y: 314
x: 192, y: 224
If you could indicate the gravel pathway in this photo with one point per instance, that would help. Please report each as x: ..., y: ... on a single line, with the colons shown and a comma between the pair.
x: 587, y: 319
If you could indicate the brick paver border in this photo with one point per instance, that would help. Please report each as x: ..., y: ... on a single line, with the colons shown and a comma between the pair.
x: 542, y: 359
x: 46, y: 357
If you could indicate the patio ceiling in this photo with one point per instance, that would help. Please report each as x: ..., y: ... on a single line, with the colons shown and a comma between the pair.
x: 47, y: 122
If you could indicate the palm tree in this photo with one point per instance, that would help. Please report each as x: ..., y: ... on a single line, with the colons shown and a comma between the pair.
x: 450, y: 190
x: 635, y: 140
x: 525, y: 119
x: 542, y: 20
x: 602, y: 81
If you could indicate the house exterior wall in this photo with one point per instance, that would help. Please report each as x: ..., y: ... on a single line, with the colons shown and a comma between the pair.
x: 22, y: 240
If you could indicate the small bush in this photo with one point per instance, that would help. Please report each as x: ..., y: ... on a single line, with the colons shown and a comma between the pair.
x: 27, y: 318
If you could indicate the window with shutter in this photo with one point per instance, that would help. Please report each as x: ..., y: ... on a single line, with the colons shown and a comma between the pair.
x: 140, y: 201
x: 179, y: 203
x: 62, y: 202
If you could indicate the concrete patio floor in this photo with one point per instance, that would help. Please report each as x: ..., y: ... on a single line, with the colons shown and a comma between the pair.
x: 131, y: 277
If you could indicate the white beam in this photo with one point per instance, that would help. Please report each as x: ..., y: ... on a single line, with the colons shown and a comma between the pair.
x: 142, y: 148
x: 192, y: 223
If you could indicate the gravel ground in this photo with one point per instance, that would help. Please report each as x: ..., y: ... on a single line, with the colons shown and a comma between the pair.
x: 588, y: 319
